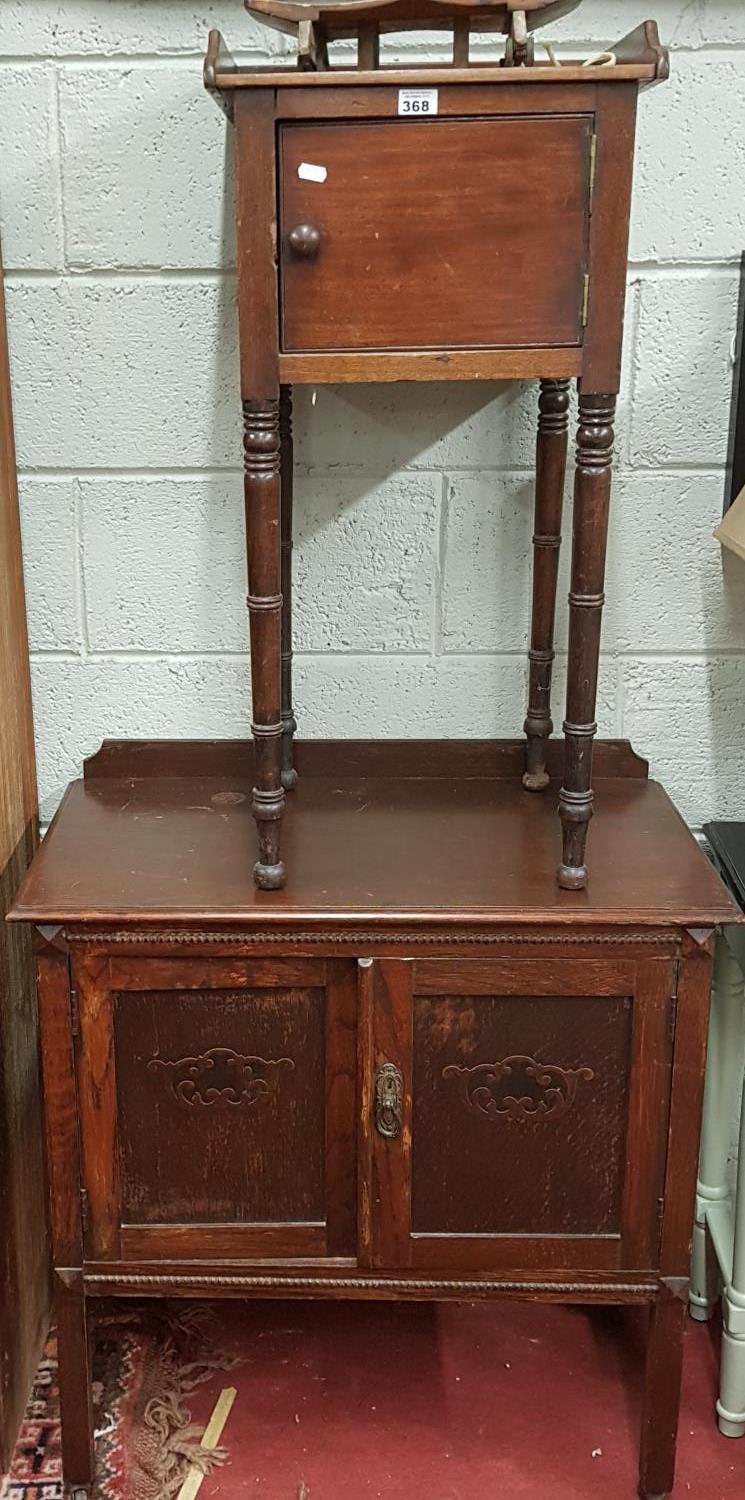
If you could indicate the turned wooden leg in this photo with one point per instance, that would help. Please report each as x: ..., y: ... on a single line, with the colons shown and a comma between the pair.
x: 289, y: 725
x: 586, y: 599
x: 550, y: 477
x: 263, y: 528
x: 662, y: 1386
x: 76, y: 1407
x: 723, y: 1081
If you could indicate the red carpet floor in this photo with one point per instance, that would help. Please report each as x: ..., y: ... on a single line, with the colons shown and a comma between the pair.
x: 424, y: 1402
x: 420, y: 1402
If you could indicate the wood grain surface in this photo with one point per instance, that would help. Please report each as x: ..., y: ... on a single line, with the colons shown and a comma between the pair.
x: 367, y: 848
x: 23, y: 1254
x: 415, y: 253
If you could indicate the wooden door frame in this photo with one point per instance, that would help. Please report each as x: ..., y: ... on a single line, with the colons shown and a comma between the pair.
x: 98, y: 978
x: 387, y: 991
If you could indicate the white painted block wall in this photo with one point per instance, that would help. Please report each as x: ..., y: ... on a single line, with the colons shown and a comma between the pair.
x: 414, y: 502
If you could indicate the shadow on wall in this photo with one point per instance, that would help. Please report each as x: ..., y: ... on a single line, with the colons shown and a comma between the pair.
x: 726, y: 685
x: 385, y: 428
x: 226, y: 306
x: 722, y: 584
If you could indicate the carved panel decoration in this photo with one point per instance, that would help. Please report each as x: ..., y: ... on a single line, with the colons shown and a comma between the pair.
x: 360, y: 937
x: 518, y: 1088
x: 221, y: 1077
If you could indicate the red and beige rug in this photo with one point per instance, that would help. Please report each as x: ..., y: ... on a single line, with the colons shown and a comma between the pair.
x: 147, y: 1363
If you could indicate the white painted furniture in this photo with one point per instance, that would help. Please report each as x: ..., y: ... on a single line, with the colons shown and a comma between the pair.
x: 719, y: 1232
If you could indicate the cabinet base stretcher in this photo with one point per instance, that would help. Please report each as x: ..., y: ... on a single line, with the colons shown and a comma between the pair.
x: 424, y: 1072
x: 667, y: 1300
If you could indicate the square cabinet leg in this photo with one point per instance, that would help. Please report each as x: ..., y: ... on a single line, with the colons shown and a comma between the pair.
x: 662, y: 1387
x: 74, y: 1384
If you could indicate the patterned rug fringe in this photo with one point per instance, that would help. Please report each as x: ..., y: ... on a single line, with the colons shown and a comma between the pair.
x: 166, y: 1443
x: 148, y: 1359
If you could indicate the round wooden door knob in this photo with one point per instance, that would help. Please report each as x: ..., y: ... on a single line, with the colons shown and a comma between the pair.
x: 305, y: 241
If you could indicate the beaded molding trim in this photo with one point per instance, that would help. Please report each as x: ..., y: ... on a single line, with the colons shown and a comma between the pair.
x: 374, y: 1283
x: 188, y: 937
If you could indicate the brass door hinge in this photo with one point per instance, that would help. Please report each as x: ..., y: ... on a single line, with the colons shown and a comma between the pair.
x: 660, y: 1220
x: 593, y: 164
x: 74, y: 1013
x: 585, y: 299
x: 672, y: 1017
x: 85, y: 1218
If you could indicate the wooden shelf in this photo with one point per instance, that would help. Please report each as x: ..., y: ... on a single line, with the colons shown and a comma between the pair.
x: 639, y: 57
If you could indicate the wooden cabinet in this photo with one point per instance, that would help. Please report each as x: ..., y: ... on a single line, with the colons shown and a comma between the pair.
x: 419, y: 1071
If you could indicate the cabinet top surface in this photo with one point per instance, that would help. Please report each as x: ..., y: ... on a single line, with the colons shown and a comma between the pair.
x: 180, y: 848
x: 271, y: 77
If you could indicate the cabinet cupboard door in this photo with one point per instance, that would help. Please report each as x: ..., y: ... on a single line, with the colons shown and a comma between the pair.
x: 217, y: 1102
x: 425, y: 234
x: 514, y: 1113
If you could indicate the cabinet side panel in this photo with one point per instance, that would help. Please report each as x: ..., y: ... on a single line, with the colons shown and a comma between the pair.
x: 609, y: 237
x: 689, y: 1064
x: 24, y: 1275
x: 256, y: 218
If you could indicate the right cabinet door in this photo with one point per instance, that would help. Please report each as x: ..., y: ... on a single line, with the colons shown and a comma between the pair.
x: 515, y: 1112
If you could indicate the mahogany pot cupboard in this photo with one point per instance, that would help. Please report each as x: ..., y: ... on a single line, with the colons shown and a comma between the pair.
x: 413, y: 1065
x: 457, y: 222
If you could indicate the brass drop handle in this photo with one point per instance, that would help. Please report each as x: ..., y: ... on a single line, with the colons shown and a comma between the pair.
x: 389, y: 1093
x: 305, y: 241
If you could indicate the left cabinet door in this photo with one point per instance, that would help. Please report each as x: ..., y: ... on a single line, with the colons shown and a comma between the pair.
x: 217, y: 1107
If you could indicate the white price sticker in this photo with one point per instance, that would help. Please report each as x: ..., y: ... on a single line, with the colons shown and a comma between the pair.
x: 417, y: 102
x: 309, y: 172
